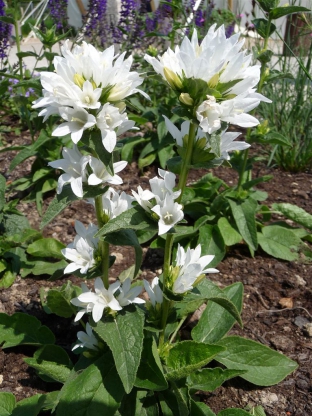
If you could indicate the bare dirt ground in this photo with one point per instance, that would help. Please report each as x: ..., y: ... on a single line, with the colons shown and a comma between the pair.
x: 267, y: 282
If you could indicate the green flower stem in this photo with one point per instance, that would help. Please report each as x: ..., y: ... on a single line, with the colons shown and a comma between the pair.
x: 172, y: 338
x: 187, y: 160
x: 18, y: 47
x: 166, y: 303
x: 103, y: 245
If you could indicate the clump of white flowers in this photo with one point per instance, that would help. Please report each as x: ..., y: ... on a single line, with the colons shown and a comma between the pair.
x: 213, y: 78
x: 189, y: 267
x: 161, y: 200
x: 87, y: 90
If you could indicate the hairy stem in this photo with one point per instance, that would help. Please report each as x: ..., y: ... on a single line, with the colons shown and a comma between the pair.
x: 186, y: 161
x: 103, y: 245
x: 166, y: 302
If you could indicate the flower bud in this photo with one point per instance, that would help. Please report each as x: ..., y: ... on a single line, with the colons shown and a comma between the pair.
x: 213, y: 81
x: 173, y: 79
x: 79, y: 80
x: 186, y: 99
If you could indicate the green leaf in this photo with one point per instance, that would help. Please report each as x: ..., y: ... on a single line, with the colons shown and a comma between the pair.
x: 294, y: 213
x: 60, y: 202
x: 30, y: 406
x: 2, y: 192
x: 124, y: 336
x: 209, y: 379
x: 46, y: 247
x: 233, y: 412
x: 276, y: 138
x: 150, y: 373
x: 279, y: 242
x: 228, y: 232
x: 211, y: 242
x: 257, y: 411
x: 127, y: 238
x: 134, y: 218
x: 7, y: 403
x: 200, y: 409
x: 264, y: 367
x: 97, y: 390
x: 38, y: 268
x: 174, y: 401
x: 174, y: 164
x: 20, y: 329
x: 52, y: 363
x: 127, y: 148
x: 261, y: 26
x: 132, y: 404
x: 146, y: 161
x: 7, y: 19
x: 31, y: 150
x: 267, y: 5
x: 7, y: 279
x: 188, y: 356
x: 58, y: 300
x: 244, y: 213
x: 216, y: 320
x: 286, y: 10
x: 93, y: 139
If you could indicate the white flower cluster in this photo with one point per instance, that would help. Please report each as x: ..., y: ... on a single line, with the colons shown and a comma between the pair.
x: 75, y: 166
x: 190, y: 266
x: 81, y: 251
x: 227, y: 143
x: 99, y: 300
x: 86, y: 90
x: 161, y: 200
x: 219, y: 63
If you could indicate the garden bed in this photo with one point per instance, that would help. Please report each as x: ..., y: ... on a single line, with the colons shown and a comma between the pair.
x: 277, y: 300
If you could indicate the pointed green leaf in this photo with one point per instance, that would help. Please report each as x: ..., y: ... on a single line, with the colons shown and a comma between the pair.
x: 2, y: 192
x: 175, y: 401
x: 211, y: 242
x: 150, y: 373
x: 228, y: 232
x: 93, y: 139
x: 46, y: 247
x: 132, y: 404
x: 30, y: 406
x: 216, y: 321
x: 200, y: 409
x: 60, y: 202
x: 97, y: 390
x: 264, y: 366
x: 295, y: 213
x: 261, y: 26
x: 7, y: 19
x: 52, y: 363
x: 209, y: 379
x: 134, y: 218
x: 7, y: 403
x: 21, y: 329
x: 286, y: 10
x: 244, y: 213
x: 124, y: 336
x: 58, y: 300
x: 279, y: 242
x: 188, y: 356
x: 233, y: 412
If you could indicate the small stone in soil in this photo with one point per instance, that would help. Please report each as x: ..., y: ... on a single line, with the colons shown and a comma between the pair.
x: 301, y: 321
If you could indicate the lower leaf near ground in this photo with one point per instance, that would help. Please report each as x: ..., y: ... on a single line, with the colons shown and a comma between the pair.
x: 264, y: 366
x: 97, y: 390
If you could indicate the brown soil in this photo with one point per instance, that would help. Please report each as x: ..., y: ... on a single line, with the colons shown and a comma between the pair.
x: 266, y: 280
